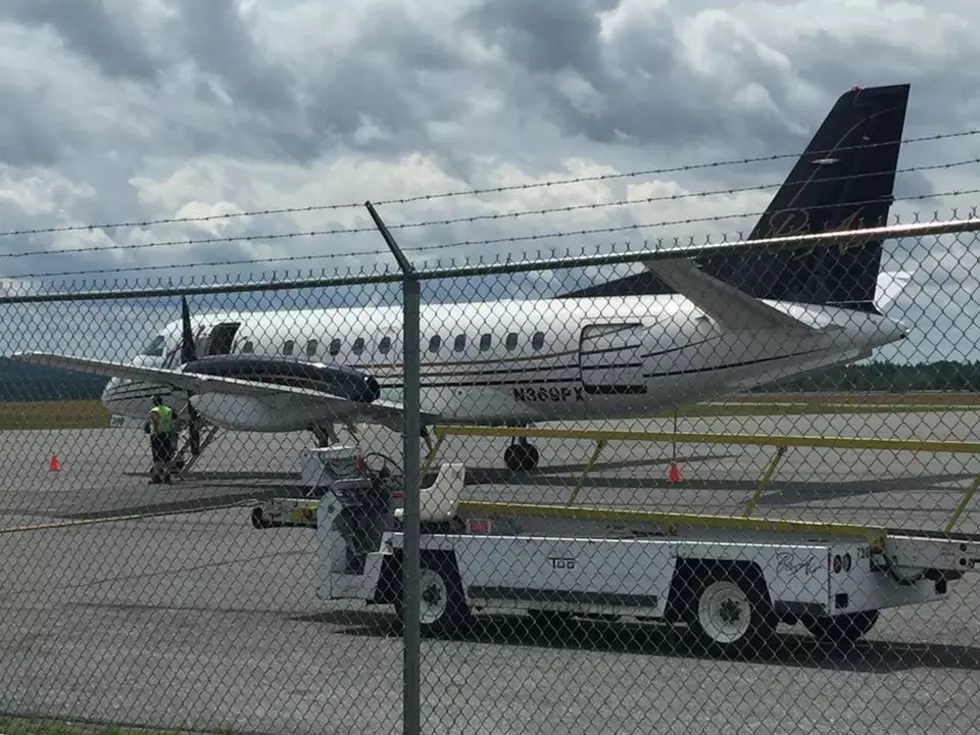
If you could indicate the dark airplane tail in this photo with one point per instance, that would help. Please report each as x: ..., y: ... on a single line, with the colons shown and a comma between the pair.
x: 843, y: 180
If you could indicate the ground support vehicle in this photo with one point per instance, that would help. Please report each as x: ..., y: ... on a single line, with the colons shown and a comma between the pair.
x: 730, y: 580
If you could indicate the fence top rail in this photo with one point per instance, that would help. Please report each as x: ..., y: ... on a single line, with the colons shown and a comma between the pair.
x: 499, y: 267
x: 774, y: 440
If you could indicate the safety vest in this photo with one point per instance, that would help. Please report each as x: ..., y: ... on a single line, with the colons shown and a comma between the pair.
x: 165, y: 420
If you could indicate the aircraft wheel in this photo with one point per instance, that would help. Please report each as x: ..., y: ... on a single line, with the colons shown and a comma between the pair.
x: 521, y: 456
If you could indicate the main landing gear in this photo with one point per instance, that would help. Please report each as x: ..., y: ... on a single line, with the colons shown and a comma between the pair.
x: 326, y: 435
x: 521, y: 455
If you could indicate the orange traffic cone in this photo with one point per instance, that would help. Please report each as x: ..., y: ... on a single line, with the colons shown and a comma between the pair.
x: 674, y: 475
x: 53, y: 465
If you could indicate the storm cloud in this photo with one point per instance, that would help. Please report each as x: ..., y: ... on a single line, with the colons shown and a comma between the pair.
x: 135, y: 110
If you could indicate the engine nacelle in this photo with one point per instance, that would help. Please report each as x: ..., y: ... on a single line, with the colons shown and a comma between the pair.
x: 333, y: 380
x: 273, y: 413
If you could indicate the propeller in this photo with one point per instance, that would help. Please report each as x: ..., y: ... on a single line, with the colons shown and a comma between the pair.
x: 188, y: 350
x: 188, y: 353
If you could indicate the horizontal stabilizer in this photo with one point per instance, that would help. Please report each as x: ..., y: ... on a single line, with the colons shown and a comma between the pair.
x: 724, y: 303
x: 891, y: 284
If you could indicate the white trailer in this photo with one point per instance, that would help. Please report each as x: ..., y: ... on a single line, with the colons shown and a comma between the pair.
x: 731, y: 580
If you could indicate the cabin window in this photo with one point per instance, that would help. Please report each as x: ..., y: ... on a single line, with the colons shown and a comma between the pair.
x: 287, y: 347
x: 334, y: 346
x: 311, y: 347
x: 435, y: 343
x: 358, y: 346
x: 537, y: 341
x: 248, y: 348
x: 459, y: 344
x: 384, y: 345
x: 155, y: 347
x: 511, y: 341
x: 485, y: 341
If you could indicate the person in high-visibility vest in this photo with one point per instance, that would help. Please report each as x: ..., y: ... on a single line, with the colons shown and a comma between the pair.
x: 160, y: 427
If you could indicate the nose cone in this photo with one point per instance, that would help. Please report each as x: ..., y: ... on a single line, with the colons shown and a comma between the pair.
x: 110, y: 388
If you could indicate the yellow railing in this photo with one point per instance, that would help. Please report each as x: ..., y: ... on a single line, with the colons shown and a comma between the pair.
x: 672, y: 521
x: 781, y: 443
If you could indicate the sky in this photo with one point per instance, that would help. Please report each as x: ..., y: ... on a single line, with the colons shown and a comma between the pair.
x: 140, y: 110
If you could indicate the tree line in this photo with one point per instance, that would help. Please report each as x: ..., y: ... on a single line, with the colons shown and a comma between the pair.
x: 943, y: 375
x: 19, y: 382
x: 29, y: 383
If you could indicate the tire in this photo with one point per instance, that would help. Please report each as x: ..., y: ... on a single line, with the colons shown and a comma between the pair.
x: 442, y: 604
x: 730, y: 613
x: 521, y: 457
x: 531, y: 457
x: 258, y: 520
x: 510, y: 458
x: 844, y: 629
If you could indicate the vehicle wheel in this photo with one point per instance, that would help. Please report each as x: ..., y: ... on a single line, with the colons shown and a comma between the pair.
x: 442, y: 604
x: 258, y: 520
x: 842, y: 629
x: 731, y: 616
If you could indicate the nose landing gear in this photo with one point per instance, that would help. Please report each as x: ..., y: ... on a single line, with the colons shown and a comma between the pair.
x: 521, y: 455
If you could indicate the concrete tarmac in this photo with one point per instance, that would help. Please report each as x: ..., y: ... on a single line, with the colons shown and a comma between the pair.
x: 196, y: 620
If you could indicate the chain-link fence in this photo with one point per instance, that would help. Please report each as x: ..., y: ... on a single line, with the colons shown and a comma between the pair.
x: 730, y: 491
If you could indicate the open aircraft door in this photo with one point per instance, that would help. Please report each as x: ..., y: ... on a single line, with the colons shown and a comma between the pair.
x: 611, y: 358
x: 217, y: 340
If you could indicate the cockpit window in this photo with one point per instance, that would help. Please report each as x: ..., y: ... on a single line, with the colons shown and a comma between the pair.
x: 155, y: 347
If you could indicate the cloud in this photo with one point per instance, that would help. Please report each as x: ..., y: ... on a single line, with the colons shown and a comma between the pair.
x: 139, y: 110
x: 110, y: 40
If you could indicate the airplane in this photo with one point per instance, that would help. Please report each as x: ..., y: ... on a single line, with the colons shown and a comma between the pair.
x: 684, y: 330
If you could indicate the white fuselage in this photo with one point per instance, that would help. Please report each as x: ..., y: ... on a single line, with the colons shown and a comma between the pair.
x: 514, y: 362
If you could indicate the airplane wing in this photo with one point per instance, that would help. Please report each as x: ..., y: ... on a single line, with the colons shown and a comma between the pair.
x: 341, y: 406
x: 726, y: 304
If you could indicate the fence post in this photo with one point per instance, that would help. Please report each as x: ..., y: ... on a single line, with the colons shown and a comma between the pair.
x: 411, y: 676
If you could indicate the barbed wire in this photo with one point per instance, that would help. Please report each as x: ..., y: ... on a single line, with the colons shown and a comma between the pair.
x: 470, y: 192
x: 665, y: 223
x: 668, y: 197
x: 191, y: 241
x: 205, y: 264
x: 446, y: 246
x: 381, y: 271
x: 468, y: 219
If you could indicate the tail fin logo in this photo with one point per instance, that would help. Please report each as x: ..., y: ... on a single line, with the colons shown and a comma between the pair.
x: 786, y: 227
x: 850, y: 222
